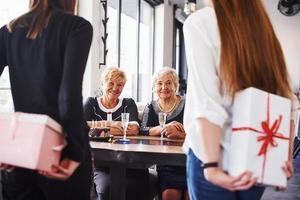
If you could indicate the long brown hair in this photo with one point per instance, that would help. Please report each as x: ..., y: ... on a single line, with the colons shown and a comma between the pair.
x: 251, y: 55
x: 41, y: 11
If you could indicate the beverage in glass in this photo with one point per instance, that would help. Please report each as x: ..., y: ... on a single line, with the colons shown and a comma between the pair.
x: 125, y: 122
x: 162, y: 117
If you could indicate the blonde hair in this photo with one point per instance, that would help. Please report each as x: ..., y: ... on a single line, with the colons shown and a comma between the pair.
x: 113, y: 73
x: 163, y: 72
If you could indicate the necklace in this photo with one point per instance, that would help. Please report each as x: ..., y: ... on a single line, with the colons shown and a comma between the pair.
x: 167, y: 111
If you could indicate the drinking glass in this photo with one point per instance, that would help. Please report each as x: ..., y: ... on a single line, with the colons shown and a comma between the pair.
x: 125, y: 121
x: 162, y: 117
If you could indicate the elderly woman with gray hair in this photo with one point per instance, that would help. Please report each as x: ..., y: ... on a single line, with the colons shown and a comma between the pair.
x: 165, y: 85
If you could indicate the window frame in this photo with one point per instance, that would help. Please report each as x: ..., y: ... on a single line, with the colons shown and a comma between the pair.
x: 136, y: 92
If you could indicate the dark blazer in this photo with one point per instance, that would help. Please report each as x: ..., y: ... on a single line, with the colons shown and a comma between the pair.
x: 46, y: 73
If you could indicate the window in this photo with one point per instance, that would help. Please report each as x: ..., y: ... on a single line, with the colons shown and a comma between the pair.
x: 8, y: 11
x: 130, y: 44
x: 145, y: 52
x: 180, y: 58
x: 112, y: 27
x: 5, y: 94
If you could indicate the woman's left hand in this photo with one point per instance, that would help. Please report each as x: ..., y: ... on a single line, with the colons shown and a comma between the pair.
x: 289, y: 171
x: 173, y: 131
x: 133, y: 128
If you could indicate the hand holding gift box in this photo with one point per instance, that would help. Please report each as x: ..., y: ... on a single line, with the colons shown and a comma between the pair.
x: 260, y: 136
x: 32, y: 141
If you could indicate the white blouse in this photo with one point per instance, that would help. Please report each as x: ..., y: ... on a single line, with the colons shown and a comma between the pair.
x: 203, y: 98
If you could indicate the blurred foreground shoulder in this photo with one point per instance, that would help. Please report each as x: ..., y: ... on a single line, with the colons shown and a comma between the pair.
x: 200, y: 17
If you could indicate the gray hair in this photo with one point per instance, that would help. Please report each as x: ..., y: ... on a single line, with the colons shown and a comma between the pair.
x: 163, y: 72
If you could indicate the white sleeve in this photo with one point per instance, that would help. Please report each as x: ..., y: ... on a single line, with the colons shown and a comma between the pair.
x: 203, y: 98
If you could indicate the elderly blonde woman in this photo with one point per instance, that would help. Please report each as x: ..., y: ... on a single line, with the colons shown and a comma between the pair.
x: 165, y: 85
x: 108, y: 108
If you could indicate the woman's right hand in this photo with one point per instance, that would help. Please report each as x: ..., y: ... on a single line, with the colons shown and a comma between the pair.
x: 218, y: 177
x: 63, y: 171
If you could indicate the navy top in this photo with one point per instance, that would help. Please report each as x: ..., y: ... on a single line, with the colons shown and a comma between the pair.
x: 46, y: 73
x: 169, y: 176
x: 150, y: 115
x: 92, y: 111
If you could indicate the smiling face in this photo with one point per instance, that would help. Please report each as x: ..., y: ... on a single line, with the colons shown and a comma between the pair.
x: 113, y: 80
x: 113, y: 88
x: 165, y: 86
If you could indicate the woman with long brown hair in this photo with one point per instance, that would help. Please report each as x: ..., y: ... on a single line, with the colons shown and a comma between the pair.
x: 46, y: 50
x: 230, y: 45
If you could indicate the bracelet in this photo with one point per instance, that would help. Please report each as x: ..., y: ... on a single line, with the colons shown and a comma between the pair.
x: 210, y: 164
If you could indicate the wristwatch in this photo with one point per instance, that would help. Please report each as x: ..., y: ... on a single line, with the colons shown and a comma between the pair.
x: 209, y: 165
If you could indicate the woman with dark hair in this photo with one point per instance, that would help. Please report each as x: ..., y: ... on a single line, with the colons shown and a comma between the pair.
x: 230, y: 46
x: 46, y: 50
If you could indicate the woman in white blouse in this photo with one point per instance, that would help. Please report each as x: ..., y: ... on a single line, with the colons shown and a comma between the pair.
x: 230, y: 45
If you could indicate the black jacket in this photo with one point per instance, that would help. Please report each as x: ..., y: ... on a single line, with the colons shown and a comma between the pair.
x: 46, y: 74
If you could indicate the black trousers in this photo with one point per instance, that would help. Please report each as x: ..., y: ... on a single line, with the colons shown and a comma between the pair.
x: 24, y: 184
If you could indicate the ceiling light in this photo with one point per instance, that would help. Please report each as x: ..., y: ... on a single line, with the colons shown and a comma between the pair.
x: 189, y: 7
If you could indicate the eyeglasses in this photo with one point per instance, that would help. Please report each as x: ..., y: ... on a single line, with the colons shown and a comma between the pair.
x: 289, y: 7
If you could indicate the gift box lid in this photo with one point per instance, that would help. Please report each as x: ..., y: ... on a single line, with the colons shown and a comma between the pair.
x: 262, y: 92
x: 34, y: 118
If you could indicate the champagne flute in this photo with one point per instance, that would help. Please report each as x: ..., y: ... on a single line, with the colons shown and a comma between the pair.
x: 125, y: 122
x: 162, y: 117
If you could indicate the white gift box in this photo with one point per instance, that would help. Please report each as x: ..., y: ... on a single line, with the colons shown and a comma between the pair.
x: 30, y: 141
x: 260, y: 136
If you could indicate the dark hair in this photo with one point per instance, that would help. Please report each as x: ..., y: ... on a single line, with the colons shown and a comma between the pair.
x: 251, y: 55
x: 41, y: 11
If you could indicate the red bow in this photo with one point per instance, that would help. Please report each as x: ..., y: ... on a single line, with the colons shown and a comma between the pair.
x: 269, y: 133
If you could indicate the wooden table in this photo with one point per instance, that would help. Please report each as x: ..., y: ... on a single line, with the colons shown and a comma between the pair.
x: 142, y: 152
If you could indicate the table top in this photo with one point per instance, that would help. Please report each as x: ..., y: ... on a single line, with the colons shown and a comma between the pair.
x: 143, y: 144
x: 143, y: 151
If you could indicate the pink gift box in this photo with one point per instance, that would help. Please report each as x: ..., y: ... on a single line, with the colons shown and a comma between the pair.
x: 260, y: 136
x: 32, y: 141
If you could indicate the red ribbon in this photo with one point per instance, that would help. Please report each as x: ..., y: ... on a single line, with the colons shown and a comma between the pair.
x: 269, y: 133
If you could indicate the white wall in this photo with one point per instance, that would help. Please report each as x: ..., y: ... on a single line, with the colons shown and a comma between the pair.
x: 168, y: 34
x: 90, y: 10
x: 159, y: 37
x: 163, y: 43
x: 288, y: 32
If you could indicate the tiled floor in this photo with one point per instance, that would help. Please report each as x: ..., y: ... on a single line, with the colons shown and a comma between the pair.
x: 293, y: 189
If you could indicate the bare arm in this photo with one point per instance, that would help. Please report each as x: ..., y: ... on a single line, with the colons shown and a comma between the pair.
x: 211, y: 137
